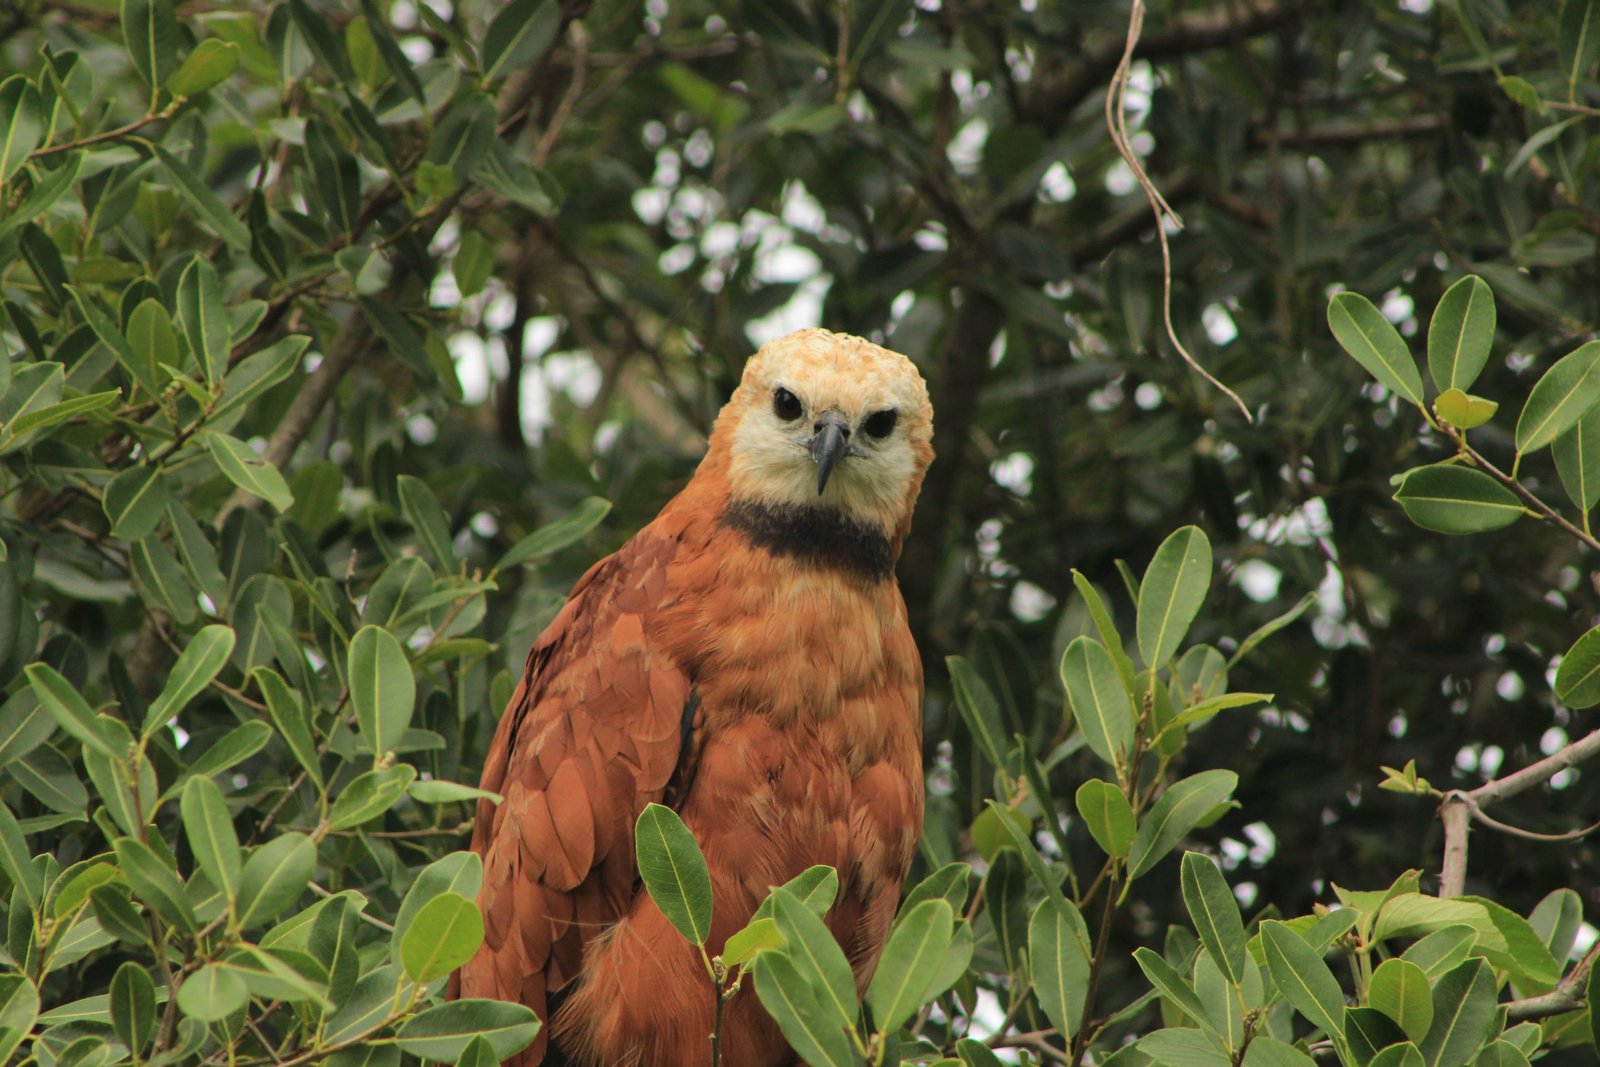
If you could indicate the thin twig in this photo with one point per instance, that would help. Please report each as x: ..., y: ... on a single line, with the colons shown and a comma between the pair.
x: 1117, y: 124
x: 1542, y: 510
x: 106, y: 135
x: 580, y: 68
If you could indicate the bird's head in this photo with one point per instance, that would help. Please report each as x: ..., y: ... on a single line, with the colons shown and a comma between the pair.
x: 827, y: 420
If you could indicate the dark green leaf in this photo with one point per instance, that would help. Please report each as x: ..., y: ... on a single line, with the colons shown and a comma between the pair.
x: 1565, y: 393
x: 246, y: 469
x: 1215, y: 914
x: 382, y: 688
x: 209, y: 827
x: 369, y: 795
x: 1449, y: 498
x: 1461, y: 334
x: 1101, y: 707
x: 201, y: 661
x: 1373, y: 342
x: 69, y: 710
x: 1463, y: 1010
x: 674, y: 871
x: 518, y: 35
x: 808, y: 1025
x: 442, y: 1032
x: 910, y: 962
x: 1060, y: 964
x: 150, y: 31
x: 274, y: 877
x: 211, y: 63
x: 1179, y: 810
x: 133, y: 1006
x: 1400, y: 990
x: 212, y: 993
x: 1303, y: 978
x: 21, y: 124
x: 1107, y: 815
x: 1171, y: 592
x: 154, y: 881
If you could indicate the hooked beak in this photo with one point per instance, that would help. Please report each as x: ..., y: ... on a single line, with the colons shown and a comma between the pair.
x: 829, y: 444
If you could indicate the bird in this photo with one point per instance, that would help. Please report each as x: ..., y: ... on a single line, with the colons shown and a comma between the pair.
x: 745, y: 659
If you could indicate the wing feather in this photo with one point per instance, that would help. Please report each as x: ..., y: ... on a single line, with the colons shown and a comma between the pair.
x: 591, y: 735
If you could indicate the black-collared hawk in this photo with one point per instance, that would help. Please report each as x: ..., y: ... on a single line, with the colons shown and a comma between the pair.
x: 744, y: 659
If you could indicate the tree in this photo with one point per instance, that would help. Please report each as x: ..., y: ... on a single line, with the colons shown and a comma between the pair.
x: 330, y: 329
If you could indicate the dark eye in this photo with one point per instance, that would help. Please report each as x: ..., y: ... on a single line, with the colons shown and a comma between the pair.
x: 880, y: 423
x: 786, y: 405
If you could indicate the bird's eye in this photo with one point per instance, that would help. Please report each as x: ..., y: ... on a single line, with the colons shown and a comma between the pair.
x: 785, y: 404
x: 881, y: 423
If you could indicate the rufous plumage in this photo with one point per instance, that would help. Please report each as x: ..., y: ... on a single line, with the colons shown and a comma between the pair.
x: 744, y: 659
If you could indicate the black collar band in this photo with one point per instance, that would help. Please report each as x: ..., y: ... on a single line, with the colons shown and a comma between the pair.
x: 817, y: 536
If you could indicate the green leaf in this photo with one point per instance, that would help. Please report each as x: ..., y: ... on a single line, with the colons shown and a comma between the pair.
x: 1442, y: 949
x: 370, y: 795
x: 1105, y: 628
x: 1578, y: 675
x: 1400, y: 990
x: 19, y: 1009
x: 1373, y: 342
x: 917, y: 944
x: 1463, y: 1011
x: 1107, y: 814
x: 210, y: 64
x: 793, y: 1003
x: 1267, y: 1051
x: 760, y: 935
x: 1101, y: 706
x: 1565, y: 393
x: 674, y: 871
x: 978, y: 708
x: 435, y: 791
x: 459, y: 872
x: 21, y: 124
x: 49, y: 776
x: 246, y: 469
x: 151, y: 341
x: 1461, y: 334
x: 274, y: 877
x: 478, y: 1053
x: 473, y: 263
x: 1448, y: 498
x: 1366, y: 1030
x: 817, y: 957
x: 1405, y: 1054
x: 61, y: 411
x: 150, y: 31
x: 254, y: 375
x: 382, y: 688
x: 1170, y: 595
x: 1303, y: 978
x: 209, y: 827
x: 1501, y: 1054
x: 237, y: 745
x: 426, y: 517
x: 1178, y: 811
x: 133, y: 1006
x: 815, y: 887
x: 1185, y: 1047
x: 289, y: 717
x: 212, y: 212
x: 15, y: 860
x: 1463, y: 411
x: 1059, y: 964
x: 1171, y: 985
x: 1578, y: 42
x: 519, y: 34
x: 202, y: 660
x: 204, y: 317
x: 1577, y: 456
x: 69, y: 710
x: 441, y: 1033
x: 213, y: 993
x: 1215, y: 914
x: 557, y: 535
x: 154, y: 881
x: 445, y: 933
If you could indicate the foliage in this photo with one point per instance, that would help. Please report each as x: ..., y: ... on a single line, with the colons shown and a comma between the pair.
x: 330, y: 329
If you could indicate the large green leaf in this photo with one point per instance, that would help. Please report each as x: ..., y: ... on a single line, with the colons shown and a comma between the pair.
x: 809, y: 1026
x: 382, y: 688
x: 1577, y: 456
x: 518, y: 34
x: 274, y: 877
x: 440, y: 1033
x: 135, y: 500
x: 1171, y: 593
x: 910, y: 962
x: 21, y: 124
x: 444, y: 934
x: 1463, y: 1011
x: 979, y: 709
x: 201, y: 661
x: 1215, y: 913
x: 1453, y: 499
x: 150, y: 30
x: 1461, y: 334
x: 1303, y: 978
x: 1578, y: 674
x: 1179, y: 810
x: 209, y: 828
x: 1400, y: 990
x: 1105, y: 811
x: 1373, y: 342
x: 1565, y: 394
x: 1101, y: 706
x: 674, y: 871
x: 245, y: 468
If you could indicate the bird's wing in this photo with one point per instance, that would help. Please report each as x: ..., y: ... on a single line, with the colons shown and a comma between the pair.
x: 592, y: 734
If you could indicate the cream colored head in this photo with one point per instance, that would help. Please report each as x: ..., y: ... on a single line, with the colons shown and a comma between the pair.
x: 813, y: 383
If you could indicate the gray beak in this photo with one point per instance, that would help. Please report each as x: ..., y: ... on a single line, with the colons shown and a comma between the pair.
x: 829, y: 444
